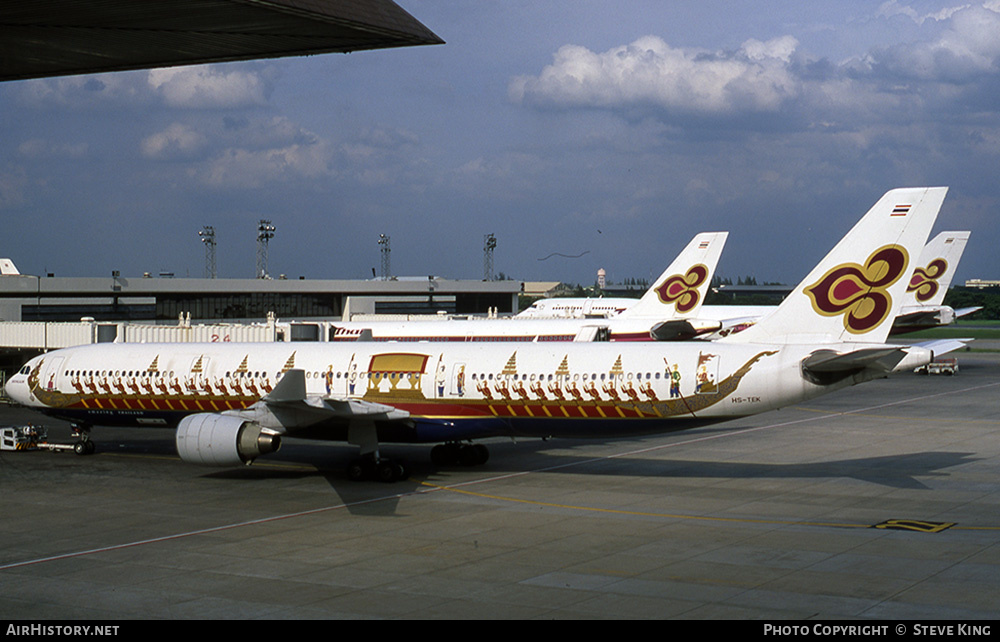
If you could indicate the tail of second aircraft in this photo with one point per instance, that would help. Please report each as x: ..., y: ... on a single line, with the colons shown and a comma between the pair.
x: 681, y: 289
x: 933, y: 274
x: 853, y: 294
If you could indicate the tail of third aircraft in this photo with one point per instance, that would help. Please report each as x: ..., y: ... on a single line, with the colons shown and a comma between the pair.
x: 853, y: 294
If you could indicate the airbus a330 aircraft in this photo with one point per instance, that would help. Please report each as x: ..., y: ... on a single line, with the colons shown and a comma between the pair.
x: 667, y: 311
x: 234, y: 402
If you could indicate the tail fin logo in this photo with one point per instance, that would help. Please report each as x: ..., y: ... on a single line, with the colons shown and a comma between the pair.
x: 925, y: 280
x: 859, y: 292
x: 682, y: 291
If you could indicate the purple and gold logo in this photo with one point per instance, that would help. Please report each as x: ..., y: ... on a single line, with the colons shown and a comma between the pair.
x: 859, y: 291
x: 682, y: 291
x: 924, y: 281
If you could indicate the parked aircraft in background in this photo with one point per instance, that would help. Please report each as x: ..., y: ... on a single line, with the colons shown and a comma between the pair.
x: 234, y: 402
x: 667, y: 311
x: 924, y: 306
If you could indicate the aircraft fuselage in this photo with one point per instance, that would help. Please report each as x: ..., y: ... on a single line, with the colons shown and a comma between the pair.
x: 465, y: 392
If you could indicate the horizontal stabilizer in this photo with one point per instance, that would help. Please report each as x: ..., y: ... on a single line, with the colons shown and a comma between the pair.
x: 961, y: 312
x: 920, y: 317
x: 919, y: 355
x: 828, y: 365
x: 683, y: 329
x: 943, y: 346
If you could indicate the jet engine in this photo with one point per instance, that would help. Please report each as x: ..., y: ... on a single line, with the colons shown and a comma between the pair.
x: 221, y: 440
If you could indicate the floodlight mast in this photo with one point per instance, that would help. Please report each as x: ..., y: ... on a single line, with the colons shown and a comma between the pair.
x: 265, y: 232
x: 489, y: 244
x: 207, y: 235
x: 383, y: 241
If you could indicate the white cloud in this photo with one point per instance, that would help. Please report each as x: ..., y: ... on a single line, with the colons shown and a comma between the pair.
x: 649, y: 72
x: 209, y: 86
x: 83, y: 92
x: 176, y: 141
x: 894, y: 8
x: 245, y: 168
x: 38, y: 148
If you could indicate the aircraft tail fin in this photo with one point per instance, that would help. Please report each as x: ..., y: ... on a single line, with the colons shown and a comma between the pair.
x: 854, y: 293
x: 932, y: 275
x: 7, y: 267
x: 681, y: 289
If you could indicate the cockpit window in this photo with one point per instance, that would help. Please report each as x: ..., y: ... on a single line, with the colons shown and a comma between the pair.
x: 25, y: 370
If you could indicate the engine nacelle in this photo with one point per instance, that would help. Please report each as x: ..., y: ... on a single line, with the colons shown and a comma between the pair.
x: 221, y: 440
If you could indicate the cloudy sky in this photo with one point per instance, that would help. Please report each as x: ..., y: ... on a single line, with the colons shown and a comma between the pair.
x: 583, y: 133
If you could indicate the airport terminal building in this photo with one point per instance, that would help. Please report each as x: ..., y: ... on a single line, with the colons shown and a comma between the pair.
x: 163, y: 300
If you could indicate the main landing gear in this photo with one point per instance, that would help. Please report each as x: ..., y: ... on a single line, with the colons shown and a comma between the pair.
x: 456, y: 454
x: 372, y: 467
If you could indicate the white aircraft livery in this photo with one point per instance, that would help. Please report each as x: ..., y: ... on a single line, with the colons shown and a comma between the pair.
x: 232, y: 403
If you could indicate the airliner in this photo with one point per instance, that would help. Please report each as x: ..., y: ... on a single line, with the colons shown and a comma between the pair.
x: 667, y: 311
x: 233, y: 403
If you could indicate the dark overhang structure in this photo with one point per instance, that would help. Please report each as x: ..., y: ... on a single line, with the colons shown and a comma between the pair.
x: 40, y: 38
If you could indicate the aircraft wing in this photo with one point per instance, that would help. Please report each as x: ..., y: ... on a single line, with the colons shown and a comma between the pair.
x: 288, y: 407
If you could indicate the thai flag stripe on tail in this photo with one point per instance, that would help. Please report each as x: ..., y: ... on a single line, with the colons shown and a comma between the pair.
x: 703, y: 245
x: 901, y: 210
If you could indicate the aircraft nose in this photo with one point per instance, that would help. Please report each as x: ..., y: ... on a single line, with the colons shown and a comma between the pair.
x: 16, y: 387
x: 9, y: 390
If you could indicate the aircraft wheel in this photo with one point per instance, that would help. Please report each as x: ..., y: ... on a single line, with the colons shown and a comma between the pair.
x: 357, y: 471
x: 468, y: 456
x: 80, y: 448
x: 388, y: 471
x: 91, y: 447
x: 453, y: 454
x: 444, y: 454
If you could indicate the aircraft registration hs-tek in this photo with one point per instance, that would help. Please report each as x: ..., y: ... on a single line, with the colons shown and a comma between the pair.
x: 232, y: 403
